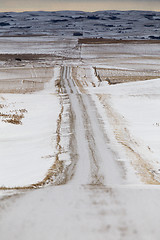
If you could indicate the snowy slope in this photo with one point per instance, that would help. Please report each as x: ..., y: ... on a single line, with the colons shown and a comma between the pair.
x: 28, y: 136
x: 133, y: 113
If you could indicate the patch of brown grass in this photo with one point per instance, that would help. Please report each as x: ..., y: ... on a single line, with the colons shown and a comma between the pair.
x: 58, y: 84
x: 25, y: 57
x: 2, y: 105
x: 16, y: 119
x: 97, y: 74
x: 115, y: 41
x: 13, y: 118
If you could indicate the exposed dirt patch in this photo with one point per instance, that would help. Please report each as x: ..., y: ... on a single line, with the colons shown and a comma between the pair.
x: 115, y: 76
x: 24, y: 57
x: 114, y: 41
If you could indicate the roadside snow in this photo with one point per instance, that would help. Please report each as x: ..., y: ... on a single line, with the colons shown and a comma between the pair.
x: 137, y: 105
x: 28, y: 149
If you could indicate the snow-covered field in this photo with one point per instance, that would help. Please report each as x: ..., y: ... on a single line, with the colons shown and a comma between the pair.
x: 27, y: 147
x: 133, y: 114
x: 139, y: 104
x: 79, y: 138
x: 75, y: 24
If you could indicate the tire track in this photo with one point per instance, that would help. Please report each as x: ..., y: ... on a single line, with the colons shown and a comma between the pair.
x: 95, y: 165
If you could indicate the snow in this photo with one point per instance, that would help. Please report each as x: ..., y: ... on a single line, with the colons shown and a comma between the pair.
x: 137, y: 106
x: 28, y: 149
x: 69, y: 212
x: 108, y: 24
x: 102, y: 192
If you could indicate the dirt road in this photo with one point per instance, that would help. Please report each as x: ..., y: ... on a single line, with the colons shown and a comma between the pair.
x: 90, y: 144
x: 96, y: 201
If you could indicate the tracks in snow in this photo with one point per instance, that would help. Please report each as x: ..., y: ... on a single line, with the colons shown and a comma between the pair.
x: 92, y: 162
x: 96, y: 164
x: 85, y: 206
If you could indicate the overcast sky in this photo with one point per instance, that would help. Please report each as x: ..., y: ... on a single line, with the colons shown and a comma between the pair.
x: 85, y: 5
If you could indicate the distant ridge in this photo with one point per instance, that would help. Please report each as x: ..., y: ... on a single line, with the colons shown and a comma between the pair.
x: 75, y: 24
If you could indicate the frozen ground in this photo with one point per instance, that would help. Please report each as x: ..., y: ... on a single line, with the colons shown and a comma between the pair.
x: 134, y: 118
x: 29, y: 142
x: 81, y: 127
